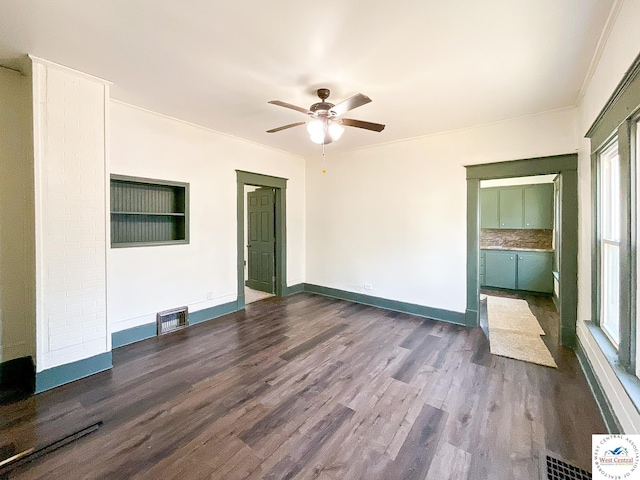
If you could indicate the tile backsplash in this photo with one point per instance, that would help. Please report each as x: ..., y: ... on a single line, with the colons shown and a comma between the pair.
x: 493, y: 237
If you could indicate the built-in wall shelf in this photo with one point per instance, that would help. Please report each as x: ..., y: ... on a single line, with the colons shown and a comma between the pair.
x: 147, y: 212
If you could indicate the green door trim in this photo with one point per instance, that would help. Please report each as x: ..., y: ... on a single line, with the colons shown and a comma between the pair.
x: 280, y: 185
x: 566, y: 166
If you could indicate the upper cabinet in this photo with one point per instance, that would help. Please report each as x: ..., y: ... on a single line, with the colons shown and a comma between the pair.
x: 490, y: 217
x: 538, y: 206
x: 521, y: 206
x: 511, y: 215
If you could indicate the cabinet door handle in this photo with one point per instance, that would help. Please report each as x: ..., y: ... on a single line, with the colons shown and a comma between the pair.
x: 511, y: 258
x: 520, y: 258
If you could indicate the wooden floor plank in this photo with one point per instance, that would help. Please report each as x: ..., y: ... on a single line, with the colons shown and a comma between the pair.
x: 303, y: 453
x: 451, y: 463
x: 418, y: 450
x: 419, y: 355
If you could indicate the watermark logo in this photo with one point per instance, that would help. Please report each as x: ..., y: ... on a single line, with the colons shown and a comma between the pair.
x: 615, y: 457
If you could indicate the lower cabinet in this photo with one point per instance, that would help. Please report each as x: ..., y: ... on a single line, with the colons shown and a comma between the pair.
x: 535, y: 271
x: 531, y: 271
x: 500, y: 269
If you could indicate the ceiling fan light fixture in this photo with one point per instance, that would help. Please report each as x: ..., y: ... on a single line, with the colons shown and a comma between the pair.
x: 316, y: 128
x: 322, y: 131
x: 318, y: 138
x: 335, y: 131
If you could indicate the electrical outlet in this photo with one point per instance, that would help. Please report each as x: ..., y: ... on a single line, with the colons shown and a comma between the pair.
x: 368, y: 286
x: 209, y: 295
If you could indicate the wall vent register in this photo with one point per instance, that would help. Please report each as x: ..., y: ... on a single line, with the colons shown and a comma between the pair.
x: 148, y: 212
x: 557, y: 469
x: 172, y: 320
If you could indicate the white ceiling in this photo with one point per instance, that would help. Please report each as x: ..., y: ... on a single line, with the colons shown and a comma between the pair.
x: 428, y: 65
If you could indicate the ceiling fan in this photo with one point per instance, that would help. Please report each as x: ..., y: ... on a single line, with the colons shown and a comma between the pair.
x: 327, y: 124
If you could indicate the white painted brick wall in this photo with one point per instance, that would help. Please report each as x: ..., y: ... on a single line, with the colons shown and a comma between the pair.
x: 70, y: 216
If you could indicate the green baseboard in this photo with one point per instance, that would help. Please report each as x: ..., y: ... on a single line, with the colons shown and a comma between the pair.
x: 609, y: 416
x: 397, y: 306
x: 132, y: 335
x: 293, y: 289
x: 212, y: 312
x: 70, y: 372
x: 149, y: 330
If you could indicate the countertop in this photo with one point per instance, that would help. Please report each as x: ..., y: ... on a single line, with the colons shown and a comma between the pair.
x: 516, y: 249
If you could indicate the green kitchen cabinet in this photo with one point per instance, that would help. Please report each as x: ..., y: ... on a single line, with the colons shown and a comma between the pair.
x: 511, y: 207
x: 538, y: 206
x: 500, y: 269
x: 517, y: 207
x: 482, y: 268
x: 535, y: 271
x: 489, y: 208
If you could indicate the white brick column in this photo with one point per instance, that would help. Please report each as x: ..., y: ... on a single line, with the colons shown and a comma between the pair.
x: 70, y: 112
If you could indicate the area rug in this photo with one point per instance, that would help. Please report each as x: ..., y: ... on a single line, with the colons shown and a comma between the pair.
x: 515, y: 333
x: 513, y: 315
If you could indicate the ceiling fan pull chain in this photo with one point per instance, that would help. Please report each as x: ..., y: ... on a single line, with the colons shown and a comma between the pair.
x: 324, y: 160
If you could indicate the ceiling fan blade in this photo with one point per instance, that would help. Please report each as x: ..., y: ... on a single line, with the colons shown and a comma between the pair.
x: 350, y: 103
x: 284, y: 127
x: 288, y: 105
x: 350, y: 122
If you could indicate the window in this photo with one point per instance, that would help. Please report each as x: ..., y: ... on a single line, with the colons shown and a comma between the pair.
x: 615, y: 176
x: 609, y: 219
x: 148, y: 212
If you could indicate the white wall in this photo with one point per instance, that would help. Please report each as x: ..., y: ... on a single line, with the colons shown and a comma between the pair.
x: 620, y: 49
x: 17, y: 268
x: 70, y: 222
x: 145, y: 280
x: 394, y: 215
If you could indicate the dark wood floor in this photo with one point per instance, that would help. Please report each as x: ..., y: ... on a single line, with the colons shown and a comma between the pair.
x: 315, y: 388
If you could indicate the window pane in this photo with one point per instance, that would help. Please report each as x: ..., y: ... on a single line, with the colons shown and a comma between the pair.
x: 609, y: 219
x: 610, y: 294
x: 610, y: 193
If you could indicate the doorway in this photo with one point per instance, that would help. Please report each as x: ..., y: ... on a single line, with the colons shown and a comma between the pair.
x: 269, y: 268
x: 565, y: 167
x: 260, y: 236
x: 517, y: 248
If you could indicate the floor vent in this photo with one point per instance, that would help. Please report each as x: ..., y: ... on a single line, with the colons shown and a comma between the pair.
x: 172, y: 320
x: 559, y: 470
